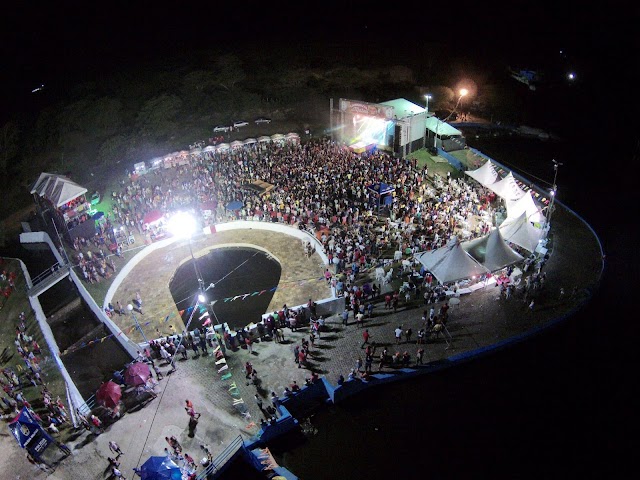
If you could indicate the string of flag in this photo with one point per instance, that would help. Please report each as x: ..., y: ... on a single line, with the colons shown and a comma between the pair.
x: 202, y: 310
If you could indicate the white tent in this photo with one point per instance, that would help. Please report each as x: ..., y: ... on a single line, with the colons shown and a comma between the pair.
x: 492, y: 251
x: 264, y: 139
x: 515, y: 208
x: 58, y: 189
x: 520, y: 232
x: 485, y: 175
x: 450, y: 263
x: 507, y: 188
x: 249, y: 141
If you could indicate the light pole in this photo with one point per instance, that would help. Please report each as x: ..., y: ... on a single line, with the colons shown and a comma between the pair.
x: 199, y: 299
x: 183, y: 225
x: 426, y: 115
x: 428, y: 97
x: 195, y: 267
x: 130, y: 308
x: 463, y: 93
x: 554, y: 191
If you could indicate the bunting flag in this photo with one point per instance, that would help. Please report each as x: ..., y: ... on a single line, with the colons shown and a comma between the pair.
x: 181, y: 312
x: 205, y: 314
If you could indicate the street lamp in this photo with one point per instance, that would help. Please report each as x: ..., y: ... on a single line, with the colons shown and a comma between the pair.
x: 553, y: 192
x: 130, y: 308
x: 183, y: 225
x: 463, y: 93
x: 428, y: 97
x: 199, y: 299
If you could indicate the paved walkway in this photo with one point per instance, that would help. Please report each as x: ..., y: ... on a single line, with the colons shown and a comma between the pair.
x: 480, y: 320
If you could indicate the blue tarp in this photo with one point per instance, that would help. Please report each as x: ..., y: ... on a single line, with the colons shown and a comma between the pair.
x: 235, y: 205
x: 160, y: 468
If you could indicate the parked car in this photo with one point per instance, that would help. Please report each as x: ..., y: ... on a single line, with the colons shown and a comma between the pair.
x: 240, y: 123
x: 221, y: 128
x: 260, y: 120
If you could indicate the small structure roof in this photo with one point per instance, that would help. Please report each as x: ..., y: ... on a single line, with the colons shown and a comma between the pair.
x: 58, y: 189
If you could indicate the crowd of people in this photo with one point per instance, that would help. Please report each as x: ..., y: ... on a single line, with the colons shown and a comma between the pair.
x: 320, y: 186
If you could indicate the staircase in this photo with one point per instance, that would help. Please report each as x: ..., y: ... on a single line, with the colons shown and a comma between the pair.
x: 47, y: 279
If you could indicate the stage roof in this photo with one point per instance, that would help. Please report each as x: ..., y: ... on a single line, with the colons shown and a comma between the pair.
x: 58, y: 189
x: 404, y: 108
x: 443, y: 128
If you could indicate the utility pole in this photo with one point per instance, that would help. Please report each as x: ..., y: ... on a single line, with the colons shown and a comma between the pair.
x: 554, y: 191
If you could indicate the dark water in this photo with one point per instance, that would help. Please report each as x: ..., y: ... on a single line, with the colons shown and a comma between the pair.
x: 234, y: 271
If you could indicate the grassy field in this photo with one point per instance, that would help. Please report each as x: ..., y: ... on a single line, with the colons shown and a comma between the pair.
x: 11, y: 359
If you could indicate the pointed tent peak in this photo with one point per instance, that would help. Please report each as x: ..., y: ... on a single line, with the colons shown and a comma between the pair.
x: 521, y: 232
x: 507, y: 188
x: 453, y: 241
x: 451, y: 262
x: 58, y: 189
x: 527, y: 205
x: 485, y: 175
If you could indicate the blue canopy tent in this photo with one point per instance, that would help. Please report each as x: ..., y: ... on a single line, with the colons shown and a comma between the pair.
x: 160, y: 468
x: 235, y: 205
x: 29, y: 433
x: 383, y: 193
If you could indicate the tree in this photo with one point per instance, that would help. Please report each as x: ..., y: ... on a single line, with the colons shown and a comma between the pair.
x: 9, y: 147
x: 230, y: 71
x: 113, y: 149
x: 156, y: 115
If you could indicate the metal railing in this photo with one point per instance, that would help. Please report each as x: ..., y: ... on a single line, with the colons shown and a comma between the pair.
x: 213, y: 469
x: 55, y: 269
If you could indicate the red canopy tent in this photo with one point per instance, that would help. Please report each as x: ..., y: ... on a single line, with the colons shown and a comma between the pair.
x: 153, y: 216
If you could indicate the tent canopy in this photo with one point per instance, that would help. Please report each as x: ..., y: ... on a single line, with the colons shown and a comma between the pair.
x: 492, y: 251
x: 525, y: 204
x: 160, y: 468
x: 58, y: 189
x: 485, y: 175
x: 507, y: 188
x: 520, y: 232
x: 258, y: 186
x: 451, y: 263
x: 29, y: 433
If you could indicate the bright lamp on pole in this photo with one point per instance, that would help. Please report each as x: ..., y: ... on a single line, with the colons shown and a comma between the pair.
x: 130, y: 308
x: 183, y: 225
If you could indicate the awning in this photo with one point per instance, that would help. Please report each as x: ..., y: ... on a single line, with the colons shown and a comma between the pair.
x: 441, y: 128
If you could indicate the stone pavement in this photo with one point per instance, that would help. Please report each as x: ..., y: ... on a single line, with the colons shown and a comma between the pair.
x: 481, y: 319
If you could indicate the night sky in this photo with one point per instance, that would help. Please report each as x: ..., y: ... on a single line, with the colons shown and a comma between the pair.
x: 68, y: 42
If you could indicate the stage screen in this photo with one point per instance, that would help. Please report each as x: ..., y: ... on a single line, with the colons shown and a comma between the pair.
x: 367, y: 124
x: 368, y: 130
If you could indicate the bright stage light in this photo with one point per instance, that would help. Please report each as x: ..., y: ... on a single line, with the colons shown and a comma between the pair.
x: 182, y: 225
